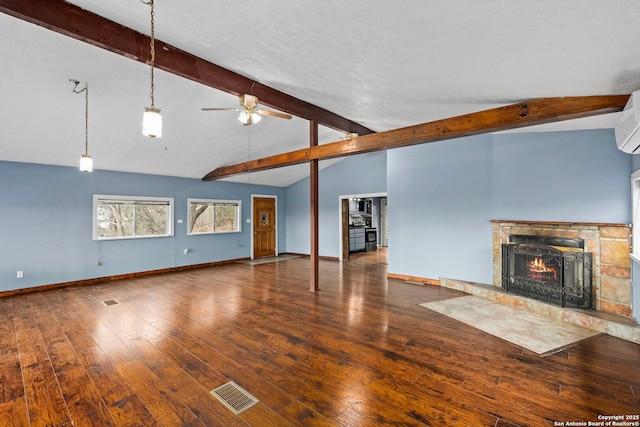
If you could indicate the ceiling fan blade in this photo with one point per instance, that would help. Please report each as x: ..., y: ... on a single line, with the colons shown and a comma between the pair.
x: 274, y: 114
x: 220, y: 109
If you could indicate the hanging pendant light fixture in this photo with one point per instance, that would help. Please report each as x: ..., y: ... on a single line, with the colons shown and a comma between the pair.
x: 151, y: 119
x: 86, y: 162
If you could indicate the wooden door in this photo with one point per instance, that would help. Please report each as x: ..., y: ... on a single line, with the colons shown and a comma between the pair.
x: 264, y: 227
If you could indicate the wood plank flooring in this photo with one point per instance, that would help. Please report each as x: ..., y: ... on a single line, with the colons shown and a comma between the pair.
x: 360, y: 352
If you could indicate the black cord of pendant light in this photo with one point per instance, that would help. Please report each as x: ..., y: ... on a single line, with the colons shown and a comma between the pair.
x: 86, y: 164
x: 152, y: 47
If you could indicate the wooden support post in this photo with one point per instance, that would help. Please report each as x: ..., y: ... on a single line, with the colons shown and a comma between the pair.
x: 313, y: 192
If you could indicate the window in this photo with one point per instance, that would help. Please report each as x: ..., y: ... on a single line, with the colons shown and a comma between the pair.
x: 214, y: 216
x: 126, y: 217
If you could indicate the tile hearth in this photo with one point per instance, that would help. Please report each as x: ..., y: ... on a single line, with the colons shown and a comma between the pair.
x: 618, y: 326
x: 539, y: 334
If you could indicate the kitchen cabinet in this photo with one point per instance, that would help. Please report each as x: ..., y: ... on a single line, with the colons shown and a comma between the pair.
x: 357, y: 239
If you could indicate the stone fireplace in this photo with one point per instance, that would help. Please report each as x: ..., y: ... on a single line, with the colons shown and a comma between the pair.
x: 544, y: 253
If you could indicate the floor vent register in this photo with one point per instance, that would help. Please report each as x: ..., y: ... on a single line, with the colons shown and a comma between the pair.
x: 234, y: 397
x: 110, y: 302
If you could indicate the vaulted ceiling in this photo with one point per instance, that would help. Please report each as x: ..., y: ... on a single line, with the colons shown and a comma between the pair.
x: 384, y: 65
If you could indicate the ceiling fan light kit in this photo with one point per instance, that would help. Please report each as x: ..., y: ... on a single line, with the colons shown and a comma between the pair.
x: 152, y: 119
x: 248, y: 113
x: 247, y: 118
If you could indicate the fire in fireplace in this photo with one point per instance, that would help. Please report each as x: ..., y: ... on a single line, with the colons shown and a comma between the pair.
x: 538, y: 270
x: 555, y: 270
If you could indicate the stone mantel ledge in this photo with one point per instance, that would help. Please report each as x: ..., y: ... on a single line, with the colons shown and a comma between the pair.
x: 560, y: 223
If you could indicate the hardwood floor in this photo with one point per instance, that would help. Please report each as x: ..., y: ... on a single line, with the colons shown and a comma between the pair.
x: 360, y: 352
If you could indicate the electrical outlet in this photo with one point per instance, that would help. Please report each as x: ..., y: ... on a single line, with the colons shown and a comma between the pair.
x: 20, y: 274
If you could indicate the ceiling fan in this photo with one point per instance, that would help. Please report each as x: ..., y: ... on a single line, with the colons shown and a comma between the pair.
x: 248, y: 113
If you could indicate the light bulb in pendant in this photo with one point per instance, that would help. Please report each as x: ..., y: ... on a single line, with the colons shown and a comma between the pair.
x: 152, y: 122
x: 86, y: 163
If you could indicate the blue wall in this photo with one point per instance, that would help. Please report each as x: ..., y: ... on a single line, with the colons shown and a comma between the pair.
x: 439, y: 202
x: 46, y: 226
x: 361, y: 174
x: 561, y: 176
x: 443, y: 195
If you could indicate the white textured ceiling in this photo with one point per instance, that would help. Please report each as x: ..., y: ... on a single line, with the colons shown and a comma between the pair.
x: 382, y: 64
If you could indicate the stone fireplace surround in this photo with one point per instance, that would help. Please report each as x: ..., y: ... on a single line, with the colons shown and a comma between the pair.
x: 610, y: 245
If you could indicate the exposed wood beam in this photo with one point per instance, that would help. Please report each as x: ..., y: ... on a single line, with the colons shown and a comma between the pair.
x: 80, y: 24
x: 523, y: 114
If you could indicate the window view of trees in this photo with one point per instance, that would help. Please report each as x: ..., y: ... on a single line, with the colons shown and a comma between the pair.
x: 130, y: 217
x: 118, y: 218
x: 213, y: 217
x: 225, y: 218
x: 201, y: 215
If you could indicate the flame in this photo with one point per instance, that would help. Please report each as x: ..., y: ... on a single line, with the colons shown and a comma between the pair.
x: 538, y: 266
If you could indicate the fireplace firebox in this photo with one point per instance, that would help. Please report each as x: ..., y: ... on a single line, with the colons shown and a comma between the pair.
x: 555, y: 270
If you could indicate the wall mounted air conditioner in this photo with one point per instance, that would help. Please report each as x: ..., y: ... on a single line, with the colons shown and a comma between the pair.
x: 627, y: 129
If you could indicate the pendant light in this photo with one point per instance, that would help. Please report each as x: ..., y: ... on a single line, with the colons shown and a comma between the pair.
x: 86, y: 162
x: 151, y: 119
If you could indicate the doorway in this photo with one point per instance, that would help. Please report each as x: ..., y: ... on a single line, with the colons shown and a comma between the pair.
x: 374, y: 216
x: 264, y: 222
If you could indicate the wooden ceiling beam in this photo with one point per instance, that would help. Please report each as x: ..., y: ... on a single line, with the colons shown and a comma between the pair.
x: 88, y: 27
x: 523, y: 114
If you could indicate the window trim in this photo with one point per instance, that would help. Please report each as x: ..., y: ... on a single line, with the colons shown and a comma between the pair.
x: 214, y: 202
x: 132, y: 199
